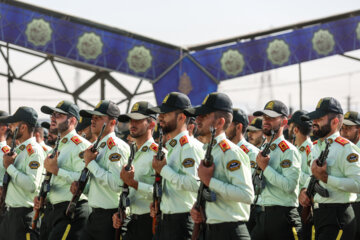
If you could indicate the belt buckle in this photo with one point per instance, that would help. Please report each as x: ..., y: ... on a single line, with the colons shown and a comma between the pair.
x: 316, y: 205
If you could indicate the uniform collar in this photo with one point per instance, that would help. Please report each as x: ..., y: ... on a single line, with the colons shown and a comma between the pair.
x: 69, y: 135
x: 171, y: 143
x: 331, y: 139
x: 104, y: 139
x: 3, y: 143
x: 279, y: 139
x: 305, y: 143
x: 31, y: 140
x: 242, y: 142
x: 146, y: 144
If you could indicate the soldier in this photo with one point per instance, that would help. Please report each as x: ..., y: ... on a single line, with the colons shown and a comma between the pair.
x: 178, y: 169
x: 300, y: 131
x: 51, y: 138
x: 84, y: 129
x: 4, y: 129
x: 351, y: 130
x: 65, y: 168
x: 255, y: 133
x: 192, y: 129
x: 279, y: 218
x: 25, y: 168
x: 104, y: 166
x: 141, y: 176
x: 39, y: 136
x: 229, y: 176
x: 333, y: 216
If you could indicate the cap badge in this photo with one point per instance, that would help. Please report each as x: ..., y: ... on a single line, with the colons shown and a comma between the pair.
x: 81, y: 119
x: 166, y: 98
x: 319, y: 103
x: 206, y: 98
x: 135, y: 108
x: 253, y: 121
x: 270, y: 105
x: 98, y: 105
x: 60, y: 104
x: 347, y: 115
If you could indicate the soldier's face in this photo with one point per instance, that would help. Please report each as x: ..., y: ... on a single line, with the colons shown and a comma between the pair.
x: 205, y: 121
x: 322, y: 126
x: 138, y: 127
x: 97, y: 123
x: 231, y: 131
x: 168, y: 121
x: 271, y: 123
x: 350, y: 132
x: 59, y: 122
x: 13, y: 126
x: 255, y: 137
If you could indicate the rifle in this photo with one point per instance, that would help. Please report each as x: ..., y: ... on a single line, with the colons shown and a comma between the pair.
x: 84, y: 177
x: 314, y: 186
x: 7, y: 177
x: 257, y: 178
x: 204, y: 193
x: 124, y: 201
x: 45, y: 187
x: 157, y: 192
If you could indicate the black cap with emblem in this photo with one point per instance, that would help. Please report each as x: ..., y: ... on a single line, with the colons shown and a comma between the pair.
x: 172, y: 102
x: 25, y: 114
x: 351, y: 118
x: 255, y: 125
x: 64, y: 107
x: 325, y: 105
x: 139, y: 110
x: 213, y: 102
x: 297, y: 119
x: 273, y: 109
x: 103, y: 108
x: 239, y: 116
x: 83, y: 123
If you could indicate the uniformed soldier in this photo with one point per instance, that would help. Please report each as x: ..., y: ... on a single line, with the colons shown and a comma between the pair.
x: 279, y: 218
x: 51, y: 138
x: 84, y: 129
x: 229, y: 177
x: 351, y: 130
x: 65, y: 168
x: 140, y: 178
x: 192, y: 129
x: 300, y: 131
x: 39, y: 136
x: 178, y: 169
x: 25, y: 167
x: 333, y: 216
x: 4, y: 129
x: 104, y: 166
x: 255, y: 133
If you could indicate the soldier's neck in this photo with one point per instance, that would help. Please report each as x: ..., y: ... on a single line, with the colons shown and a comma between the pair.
x: 63, y: 134
x: 178, y: 130
x: 2, y: 137
x: 330, y: 133
x: 277, y: 135
x: 300, y: 139
x: 237, y: 138
x: 25, y: 137
x: 142, y: 139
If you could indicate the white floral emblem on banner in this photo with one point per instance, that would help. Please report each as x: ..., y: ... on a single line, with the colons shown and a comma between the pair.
x: 139, y: 59
x: 232, y: 62
x: 323, y: 42
x: 278, y: 52
x: 38, y: 32
x: 89, y: 45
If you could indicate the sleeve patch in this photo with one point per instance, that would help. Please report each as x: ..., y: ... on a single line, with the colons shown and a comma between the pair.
x: 183, y: 140
x: 352, y: 157
x: 81, y: 154
x: 144, y: 148
x: 302, y: 149
x: 308, y: 150
x: 103, y: 144
x: 342, y: 141
x: 188, y: 162
x: 233, y: 165
x: 154, y: 147
x: 252, y: 164
x: 283, y: 146
x: 5, y: 149
x: 29, y: 149
x: 76, y: 140
x: 224, y: 145
x: 111, y: 143
x: 114, y: 157
x: 34, y: 165
x: 273, y: 147
x: 285, y: 163
x: 245, y: 149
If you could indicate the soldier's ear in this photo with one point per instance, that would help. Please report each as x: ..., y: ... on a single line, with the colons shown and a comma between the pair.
x: 284, y: 121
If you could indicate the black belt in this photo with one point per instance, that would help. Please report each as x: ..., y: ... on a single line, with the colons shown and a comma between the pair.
x: 216, y: 226
x: 19, y: 208
x: 101, y: 210
x: 330, y: 205
x: 139, y: 216
x: 173, y: 216
x: 275, y: 207
x: 62, y: 204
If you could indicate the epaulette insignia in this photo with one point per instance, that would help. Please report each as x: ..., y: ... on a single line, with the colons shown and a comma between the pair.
x: 188, y: 162
x: 252, y: 164
x: 34, y: 165
x: 103, y: 144
x: 244, y: 148
x: 5, y: 149
x: 183, y: 140
x: 352, y: 157
x: 302, y: 149
x: 233, y: 165
x: 22, y: 147
x: 273, y: 147
x: 81, y: 154
x: 154, y: 147
x: 224, y: 145
x: 114, y: 157
x: 76, y: 140
x: 342, y: 141
x: 110, y: 142
x: 173, y: 142
x: 308, y: 150
x: 44, y: 148
x: 29, y: 149
x: 144, y: 148
x: 315, y: 142
x: 283, y: 146
x: 285, y: 163
x: 64, y: 140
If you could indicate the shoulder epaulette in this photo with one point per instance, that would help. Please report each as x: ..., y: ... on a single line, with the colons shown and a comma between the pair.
x: 342, y: 141
x: 283, y: 146
x: 244, y: 148
x: 154, y: 147
x: 308, y: 150
x: 183, y: 140
x: 224, y: 145
x: 315, y: 142
x: 76, y: 140
x: 29, y: 149
x: 5, y: 149
x: 110, y: 143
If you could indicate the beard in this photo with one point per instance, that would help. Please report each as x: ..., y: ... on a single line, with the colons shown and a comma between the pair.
x: 267, y: 132
x: 64, y: 126
x: 231, y: 134
x: 170, y: 126
x: 322, y: 131
x: 139, y: 133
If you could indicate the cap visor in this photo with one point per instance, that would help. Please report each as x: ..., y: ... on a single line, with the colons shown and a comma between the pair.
x: 270, y: 113
x: 45, y: 125
x: 313, y: 115
x: 135, y: 116
x: 90, y: 113
x: 8, y: 119
x: 252, y: 128
x: 50, y: 110
x: 162, y: 109
x: 201, y: 110
x: 349, y: 122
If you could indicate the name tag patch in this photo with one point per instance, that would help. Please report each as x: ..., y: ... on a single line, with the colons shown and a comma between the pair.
x: 233, y: 165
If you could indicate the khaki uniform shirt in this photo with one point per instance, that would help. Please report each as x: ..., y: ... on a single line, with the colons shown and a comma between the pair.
x: 305, y: 154
x: 4, y: 148
x: 251, y: 151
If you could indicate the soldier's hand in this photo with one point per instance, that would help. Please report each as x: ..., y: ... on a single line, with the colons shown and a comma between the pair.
x: 128, y: 177
x: 8, y: 159
x: 89, y: 155
x: 116, y: 221
x: 319, y: 172
x: 304, y: 200
x: 158, y: 165
x: 262, y: 161
x: 196, y: 215
x: 36, y: 203
x: 51, y: 165
x: 205, y: 173
x: 74, y: 187
x: 153, y: 210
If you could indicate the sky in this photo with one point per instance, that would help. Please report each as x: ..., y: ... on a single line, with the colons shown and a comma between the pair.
x: 187, y: 23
